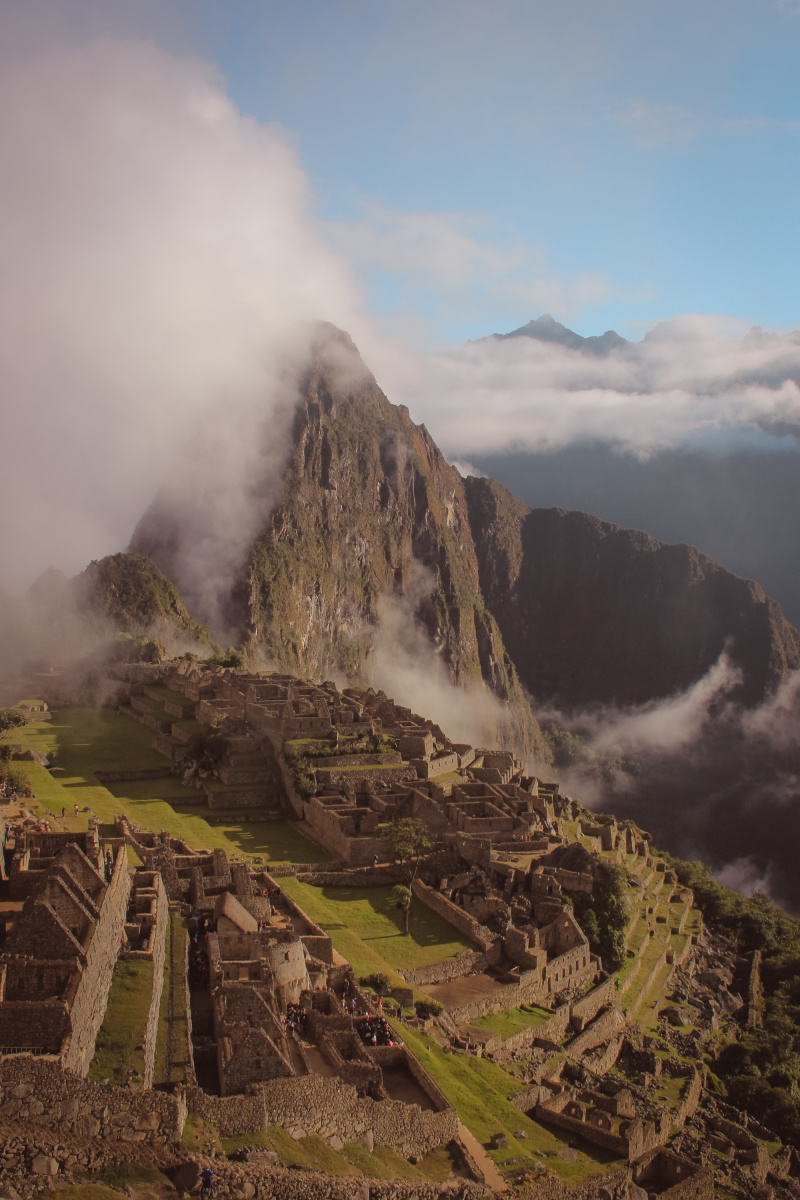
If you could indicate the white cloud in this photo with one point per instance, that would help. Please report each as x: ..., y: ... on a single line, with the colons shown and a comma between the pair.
x: 661, y: 125
x: 158, y: 250
x: 688, y: 383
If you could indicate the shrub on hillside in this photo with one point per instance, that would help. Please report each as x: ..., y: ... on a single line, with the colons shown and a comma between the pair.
x: 380, y: 983
x: 428, y: 1008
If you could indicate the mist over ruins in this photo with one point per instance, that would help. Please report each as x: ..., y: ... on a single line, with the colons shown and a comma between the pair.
x: 399, y: 607
x: 264, y: 918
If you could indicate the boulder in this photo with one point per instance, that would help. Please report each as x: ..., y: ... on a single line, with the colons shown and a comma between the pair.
x: 676, y: 1016
x: 43, y: 1164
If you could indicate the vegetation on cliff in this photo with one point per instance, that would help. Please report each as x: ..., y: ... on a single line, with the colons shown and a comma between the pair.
x: 130, y: 593
x: 761, y: 1069
x: 603, y: 914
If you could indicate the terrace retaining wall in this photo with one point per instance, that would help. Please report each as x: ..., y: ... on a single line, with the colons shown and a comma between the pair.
x: 454, y: 915
x: 312, y: 1104
x: 41, y: 1092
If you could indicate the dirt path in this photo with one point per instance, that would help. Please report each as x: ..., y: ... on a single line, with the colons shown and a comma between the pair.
x: 491, y: 1174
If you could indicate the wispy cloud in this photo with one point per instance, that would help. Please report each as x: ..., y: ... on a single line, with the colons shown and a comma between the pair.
x: 464, y: 263
x: 661, y: 125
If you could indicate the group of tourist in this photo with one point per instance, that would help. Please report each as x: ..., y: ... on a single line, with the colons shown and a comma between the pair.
x: 198, y: 956
x: 198, y: 968
x: 376, y: 1031
x: 295, y: 1019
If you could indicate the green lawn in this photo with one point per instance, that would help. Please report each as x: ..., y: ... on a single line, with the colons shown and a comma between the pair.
x: 85, y: 740
x: 118, y: 1049
x: 366, y: 919
x: 508, y: 1023
x: 480, y: 1090
x: 177, y: 1073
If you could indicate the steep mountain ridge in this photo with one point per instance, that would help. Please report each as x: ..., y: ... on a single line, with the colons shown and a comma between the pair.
x: 374, y: 522
x: 371, y: 514
x: 594, y: 613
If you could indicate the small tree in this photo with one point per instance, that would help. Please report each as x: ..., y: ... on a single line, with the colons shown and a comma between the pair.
x: 407, y: 839
x: 428, y: 1008
x: 380, y: 983
x: 402, y: 896
x: 10, y: 719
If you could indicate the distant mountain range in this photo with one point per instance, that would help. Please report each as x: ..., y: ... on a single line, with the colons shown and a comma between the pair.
x: 547, y: 329
x: 739, y: 503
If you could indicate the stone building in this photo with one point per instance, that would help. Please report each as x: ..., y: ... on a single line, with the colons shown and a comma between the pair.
x: 58, y: 959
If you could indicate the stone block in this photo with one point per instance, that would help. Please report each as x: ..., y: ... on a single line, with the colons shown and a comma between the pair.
x: 499, y: 1141
x: 43, y: 1164
x: 148, y: 1121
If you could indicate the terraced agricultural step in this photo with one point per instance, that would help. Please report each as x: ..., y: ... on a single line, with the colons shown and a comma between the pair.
x: 646, y: 1010
x: 236, y: 775
x: 222, y: 796
x: 647, y: 975
x: 170, y: 747
x: 147, y: 719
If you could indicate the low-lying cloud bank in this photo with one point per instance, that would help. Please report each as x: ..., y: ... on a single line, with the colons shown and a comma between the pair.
x: 699, y: 382
x: 707, y: 779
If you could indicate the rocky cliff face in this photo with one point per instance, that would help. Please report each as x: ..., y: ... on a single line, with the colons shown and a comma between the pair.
x: 593, y: 613
x: 578, y: 610
x: 370, y: 512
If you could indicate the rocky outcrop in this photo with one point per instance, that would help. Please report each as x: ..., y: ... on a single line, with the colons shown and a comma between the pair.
x: 129, y: 593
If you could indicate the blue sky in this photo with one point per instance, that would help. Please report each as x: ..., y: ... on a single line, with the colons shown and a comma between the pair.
x: 639, y: 156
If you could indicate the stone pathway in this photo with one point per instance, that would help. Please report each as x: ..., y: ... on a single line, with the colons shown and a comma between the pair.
x: 490, y: 1171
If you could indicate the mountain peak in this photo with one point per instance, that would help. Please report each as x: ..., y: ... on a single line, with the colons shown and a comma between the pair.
x: 547, y: 329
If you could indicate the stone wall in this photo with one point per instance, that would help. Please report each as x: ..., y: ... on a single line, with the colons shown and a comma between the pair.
x: 281, y: 870
x: 601, y: 1029
x: 574, y: 1015
x: 441, y: 972
x: 89, y: 1005
x: 456, y: 916
x: 41, y: 1092
x: 158, y: 940
x: 385, y: 876
x: 690, y: 1098
x: 343, y: 777
x: 588, y: 1006
x: 231, y: 1115
x: 316, y: 940
x: 328, y: 1107
x: 603, y: 1059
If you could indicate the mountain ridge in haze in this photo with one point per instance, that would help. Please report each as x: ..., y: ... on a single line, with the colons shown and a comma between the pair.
x: 547, y: 329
